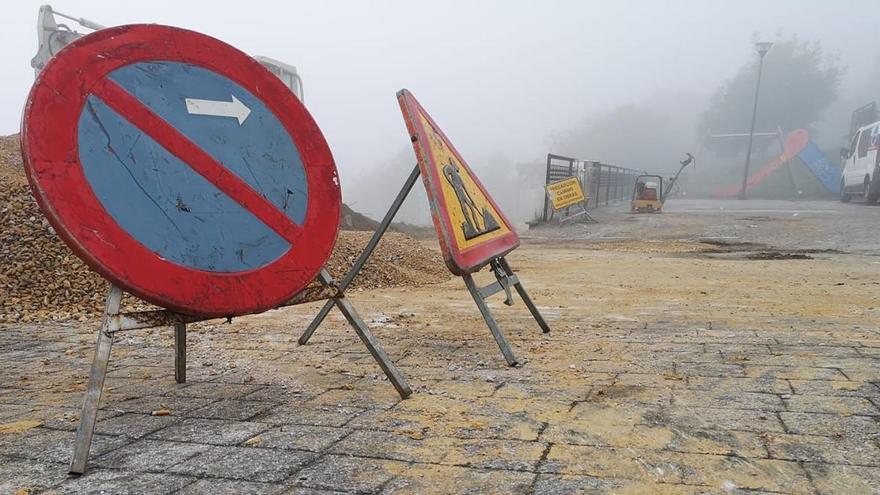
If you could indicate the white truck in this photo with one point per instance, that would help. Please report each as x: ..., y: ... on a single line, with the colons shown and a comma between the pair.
x: 53, y: 36
x: 861, y: 165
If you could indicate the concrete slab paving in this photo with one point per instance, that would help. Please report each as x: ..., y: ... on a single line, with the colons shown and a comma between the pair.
x: 245, y: 463
x: 210, y: 431
x: 671, y: 369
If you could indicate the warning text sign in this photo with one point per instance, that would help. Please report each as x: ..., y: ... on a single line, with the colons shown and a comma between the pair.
x: 565, y: 193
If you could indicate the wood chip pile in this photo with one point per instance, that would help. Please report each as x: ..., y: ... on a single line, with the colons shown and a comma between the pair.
x: 40, y: 278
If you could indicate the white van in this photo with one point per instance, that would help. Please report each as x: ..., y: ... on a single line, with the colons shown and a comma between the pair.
x: 861, y: 166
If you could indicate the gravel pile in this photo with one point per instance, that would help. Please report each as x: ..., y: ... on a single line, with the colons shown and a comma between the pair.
x: 40, y: 278
x: 10, y: 157
x: 399, y: 260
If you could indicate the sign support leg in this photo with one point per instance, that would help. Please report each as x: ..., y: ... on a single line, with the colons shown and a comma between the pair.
x: 490, y: 320
x: 180, y: 352
x: 354, y: 319
x: 521, y: 290
x: 365, y: 255
x: 89, y: 415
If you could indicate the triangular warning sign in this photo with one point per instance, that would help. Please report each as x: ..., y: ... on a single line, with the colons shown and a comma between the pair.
x: 471, y: 227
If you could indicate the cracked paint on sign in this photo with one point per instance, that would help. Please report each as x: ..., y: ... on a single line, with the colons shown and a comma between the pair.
x: 223, y: 206
x: 161, y: 201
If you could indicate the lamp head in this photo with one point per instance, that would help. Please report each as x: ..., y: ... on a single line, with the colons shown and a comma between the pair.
x: 763, y: 47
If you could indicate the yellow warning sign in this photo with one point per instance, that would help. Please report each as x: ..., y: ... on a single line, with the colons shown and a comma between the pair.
x: 565, y: 193
x: 473, y: 217
x: 471, y: 228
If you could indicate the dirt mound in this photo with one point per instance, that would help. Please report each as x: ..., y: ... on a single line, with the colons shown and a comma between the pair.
x: 352, y: 220
x: 40, y: 278
x: 399, y: 260
x: 10, y: 159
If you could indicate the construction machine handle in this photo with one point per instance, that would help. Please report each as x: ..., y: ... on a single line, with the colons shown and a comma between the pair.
x: 79, y: 20
x: 687, y: 161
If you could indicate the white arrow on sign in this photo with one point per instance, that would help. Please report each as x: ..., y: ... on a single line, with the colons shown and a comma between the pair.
x: 234, y: 108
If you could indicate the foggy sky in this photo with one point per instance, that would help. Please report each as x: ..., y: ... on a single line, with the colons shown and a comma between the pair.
x: 497, y: 76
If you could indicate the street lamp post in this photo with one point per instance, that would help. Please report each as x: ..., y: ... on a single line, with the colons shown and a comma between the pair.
x: 762, y: 47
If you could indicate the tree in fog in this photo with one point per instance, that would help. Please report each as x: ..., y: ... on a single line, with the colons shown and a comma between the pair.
x: 862, y: 89
x: 651, y: 135
x: 799, y: 82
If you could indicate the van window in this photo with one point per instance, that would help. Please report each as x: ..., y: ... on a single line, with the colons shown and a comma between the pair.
x: 864, y: 141
x: 852, y: 145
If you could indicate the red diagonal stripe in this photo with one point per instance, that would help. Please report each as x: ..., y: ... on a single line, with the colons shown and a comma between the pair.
x: 198, y: 159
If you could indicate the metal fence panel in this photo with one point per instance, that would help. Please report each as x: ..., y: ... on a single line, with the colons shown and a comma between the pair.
x: 603, y: 184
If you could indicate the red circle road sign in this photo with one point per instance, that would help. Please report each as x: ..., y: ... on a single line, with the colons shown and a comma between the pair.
x: 181, y: 170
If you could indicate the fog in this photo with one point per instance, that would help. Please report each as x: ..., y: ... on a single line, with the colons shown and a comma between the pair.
x: 508, y: 81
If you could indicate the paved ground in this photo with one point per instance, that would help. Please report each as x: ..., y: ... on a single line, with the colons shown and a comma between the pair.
x: 747, y: 364
x: 815, y: 225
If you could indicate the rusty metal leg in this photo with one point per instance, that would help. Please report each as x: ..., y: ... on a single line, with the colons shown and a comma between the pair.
x: 365, y: 254
x: 316, y: 322
x: 374, y: 347
x: 490, y: 320
x: 526, y: 299
x: 89, y: 414
x: 391, y: 371
x: 180, y: 353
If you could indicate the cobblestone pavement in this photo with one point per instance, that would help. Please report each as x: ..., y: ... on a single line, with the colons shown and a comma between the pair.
x: 671, y: 368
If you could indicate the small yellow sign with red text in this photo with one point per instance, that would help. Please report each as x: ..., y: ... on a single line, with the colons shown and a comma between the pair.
x: 565, y: 193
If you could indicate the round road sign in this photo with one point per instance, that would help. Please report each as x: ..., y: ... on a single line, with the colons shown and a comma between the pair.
x: 181, y: 170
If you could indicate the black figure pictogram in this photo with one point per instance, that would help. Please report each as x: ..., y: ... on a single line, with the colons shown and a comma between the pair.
x: 475, y: 223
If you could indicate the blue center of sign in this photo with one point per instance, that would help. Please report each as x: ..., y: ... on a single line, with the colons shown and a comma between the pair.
x: 160, y: 200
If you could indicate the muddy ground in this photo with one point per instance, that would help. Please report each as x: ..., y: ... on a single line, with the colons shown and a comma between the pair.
x: 721, y: 347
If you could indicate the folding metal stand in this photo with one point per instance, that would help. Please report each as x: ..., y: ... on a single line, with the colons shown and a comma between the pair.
x: 113, y: 321
x: 503, y: 274
x: 504, y: 279
x: 580, y: 211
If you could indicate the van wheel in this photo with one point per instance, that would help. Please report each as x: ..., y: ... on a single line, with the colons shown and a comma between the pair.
x: 844, y: 197
x: 870, y: 196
